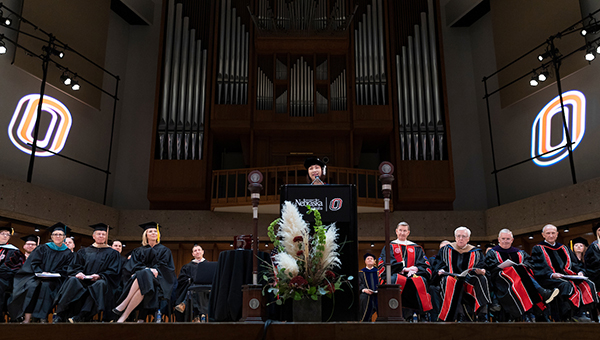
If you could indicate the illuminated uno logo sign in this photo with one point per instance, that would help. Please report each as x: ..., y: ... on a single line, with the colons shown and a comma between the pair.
x: 541, y: 145
x: 22, y: 125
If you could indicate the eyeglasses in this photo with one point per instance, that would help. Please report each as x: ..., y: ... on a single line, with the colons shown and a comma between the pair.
x: 58, y: 234
x: 5, y: 234
x: 461, y: 236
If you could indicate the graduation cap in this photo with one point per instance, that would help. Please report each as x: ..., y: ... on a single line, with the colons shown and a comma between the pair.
x: 580, y: 240
x: 369, y: 254
x: 100, y: 227
x: 313, y: 161
x: 33, y: 238
x: 60, y: 226
x: 7, y: 228
x: 150, y: 225
x: 595, y: 227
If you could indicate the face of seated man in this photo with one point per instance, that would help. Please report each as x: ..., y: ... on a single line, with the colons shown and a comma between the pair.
x: 118, y: 246
x: 99, y: 236
x: 505, y: 240
x: 198, y: 253
x: 462, y: 238
x: 29, y: 246
x: 69, y: 243
x: 550, y: 233
x: 402, y: 232
x: 370, y: 262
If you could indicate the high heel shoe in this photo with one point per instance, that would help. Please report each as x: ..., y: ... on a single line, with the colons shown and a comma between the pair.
x: 117, y: 312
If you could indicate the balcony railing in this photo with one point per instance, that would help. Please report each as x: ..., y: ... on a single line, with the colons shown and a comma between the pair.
x: 230, y: 187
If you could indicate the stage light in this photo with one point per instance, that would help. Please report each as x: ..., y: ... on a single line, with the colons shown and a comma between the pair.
x: 6, y: 21
x: 598, y: 49
x: 530, y: 237
x: 543, y: 75
x: 372, y: 244
x: 566, y: 230
x: 534, y: 82
x: 590, y: 54
x: 50, y: 50
x: 36, y: 230
x: 590, y: 29
x: 2, y: 47
x: 75, y: 85
x: 548, y: 54
x: 65, y: 78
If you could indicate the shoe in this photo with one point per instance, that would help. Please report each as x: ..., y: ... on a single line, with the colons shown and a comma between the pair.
x: 581, y: 319
x: 482, y: 317
x: 74, y: 319
x: 549, y: 295
x: 57, y: 319
x: 180, y: 307
x: 43, y: 320
x: 117, y: 312
x: 495, y: 307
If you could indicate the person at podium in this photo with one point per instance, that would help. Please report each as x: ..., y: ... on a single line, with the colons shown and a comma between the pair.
x: 316, y: 169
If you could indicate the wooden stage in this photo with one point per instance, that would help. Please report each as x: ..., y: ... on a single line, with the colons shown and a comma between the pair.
x: 301, y: 331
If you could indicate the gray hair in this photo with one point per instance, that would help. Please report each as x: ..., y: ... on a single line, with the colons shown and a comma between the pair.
x: 548, y: 226
x: 461, y: 228
x: 403, y: 223
x: 505, y: 231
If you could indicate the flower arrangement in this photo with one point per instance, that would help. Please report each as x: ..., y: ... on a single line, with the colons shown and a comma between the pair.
x: 304, y: 263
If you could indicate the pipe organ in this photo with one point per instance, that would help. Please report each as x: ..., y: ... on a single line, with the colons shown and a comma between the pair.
x: 183, y: 96
x: 269, y: 77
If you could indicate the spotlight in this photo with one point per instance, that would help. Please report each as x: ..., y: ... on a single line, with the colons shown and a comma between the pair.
x: 548, y: 54
x: 543, y: 75
x: 6, y: 21
x: 590, y: 29
x: 231, y: 244
x: 598, y: 49
x: 530, y: 237
x: 566, y: 230
x: 65, y: 78
x: 2, y: 47
x: 266, y: 245
x: 534, y: 82
x: 75, y: 85
x: 372, y: 244
x: 51, y: 50
x: 590, y: 54
x: 36, y: 230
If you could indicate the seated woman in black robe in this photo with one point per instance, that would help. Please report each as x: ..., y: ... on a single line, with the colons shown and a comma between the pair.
x: 11, y: 260
x: 40, y: 278
x: 151, y: 273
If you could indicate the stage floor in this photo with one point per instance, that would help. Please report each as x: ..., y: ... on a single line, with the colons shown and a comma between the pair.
x: 301, y: 331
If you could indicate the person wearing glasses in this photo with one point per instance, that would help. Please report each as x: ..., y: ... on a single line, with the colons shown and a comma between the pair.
x: 11, y: 260
x: 464, y: 286
x: 41, y: 277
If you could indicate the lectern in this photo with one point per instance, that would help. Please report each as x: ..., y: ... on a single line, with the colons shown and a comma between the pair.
x: 336, y: 203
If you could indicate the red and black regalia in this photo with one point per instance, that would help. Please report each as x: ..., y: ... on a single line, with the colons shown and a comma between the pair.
x: 367, y: 279
x: 154, y: 289
x: 11, y: 260
x: 549, y: 259
x: 514, y: 285
x: 471, y: 291
x: 85, y: 298
x: 406, y: 254
x: 36, y: 295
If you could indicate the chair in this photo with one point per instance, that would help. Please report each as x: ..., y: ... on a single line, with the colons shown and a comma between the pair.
x: 200, y: 288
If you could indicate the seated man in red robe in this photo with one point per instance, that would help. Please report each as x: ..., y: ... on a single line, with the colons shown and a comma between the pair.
x: 516, y: 289
x: 556, y: 266
x: 410, y: 269
x: 463, y: 283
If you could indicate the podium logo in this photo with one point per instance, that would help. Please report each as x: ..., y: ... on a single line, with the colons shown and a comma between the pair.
x: 51, y: 136
x: 542, y: 147
x: 335, y: 204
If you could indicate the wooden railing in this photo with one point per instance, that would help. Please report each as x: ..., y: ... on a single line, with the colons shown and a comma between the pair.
x: 230, y: 187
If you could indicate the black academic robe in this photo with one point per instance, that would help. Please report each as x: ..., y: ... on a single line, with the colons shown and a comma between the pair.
x: 513, y: 285
x: 471, y: 291
x: 36, y: 295
x: 592, y: 260
x: 415, y: 293
x: 152, y: 288
x: 367, y: 279
x: 548, y: 259
x: 86, y: 296
x: 11, y: 260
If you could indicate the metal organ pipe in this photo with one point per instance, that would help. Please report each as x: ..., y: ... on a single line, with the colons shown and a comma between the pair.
x: 180, y: 128
x: 420, y: 116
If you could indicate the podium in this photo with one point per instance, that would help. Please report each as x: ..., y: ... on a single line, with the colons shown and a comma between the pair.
x: 336, y: 203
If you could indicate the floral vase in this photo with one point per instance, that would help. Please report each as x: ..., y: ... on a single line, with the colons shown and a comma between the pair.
x: 307, y: 310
